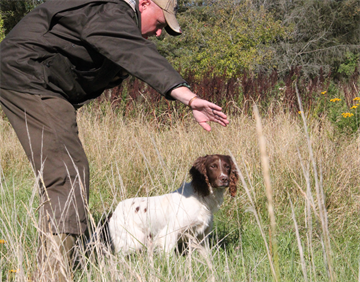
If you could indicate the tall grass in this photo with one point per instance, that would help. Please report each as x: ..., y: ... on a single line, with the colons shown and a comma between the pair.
x: 314, y: 174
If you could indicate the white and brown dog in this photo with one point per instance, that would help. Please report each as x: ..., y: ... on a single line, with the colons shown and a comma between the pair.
x: 162, y: 221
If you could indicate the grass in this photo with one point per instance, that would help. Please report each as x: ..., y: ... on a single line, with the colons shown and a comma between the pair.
x: 314, y: 192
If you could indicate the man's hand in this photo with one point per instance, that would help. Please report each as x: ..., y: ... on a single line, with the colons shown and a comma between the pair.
x: 203, y: 110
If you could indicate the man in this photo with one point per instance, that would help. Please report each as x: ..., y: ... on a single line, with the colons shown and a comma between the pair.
x: 62, y: 54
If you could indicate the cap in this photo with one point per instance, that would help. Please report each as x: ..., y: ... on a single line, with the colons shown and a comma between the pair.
x: 170, y: 8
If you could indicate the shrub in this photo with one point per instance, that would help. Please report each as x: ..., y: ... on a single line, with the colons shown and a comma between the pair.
x: 224, y: 36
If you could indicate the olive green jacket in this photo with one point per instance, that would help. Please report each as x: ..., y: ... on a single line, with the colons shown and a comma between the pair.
x: 79, y: 48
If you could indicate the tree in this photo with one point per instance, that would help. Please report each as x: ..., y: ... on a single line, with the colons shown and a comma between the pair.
x: 325, y: 34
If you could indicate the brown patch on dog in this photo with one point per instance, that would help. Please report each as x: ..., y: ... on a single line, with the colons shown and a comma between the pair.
x: 137, y: 209
x: 145, y: 209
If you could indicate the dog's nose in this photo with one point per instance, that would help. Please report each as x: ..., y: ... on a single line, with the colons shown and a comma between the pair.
x: 224, y: 178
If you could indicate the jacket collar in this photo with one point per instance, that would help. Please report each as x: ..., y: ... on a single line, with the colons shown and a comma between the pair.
x: 132, y: 4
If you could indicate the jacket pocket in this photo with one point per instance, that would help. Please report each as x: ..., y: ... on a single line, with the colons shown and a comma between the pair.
x: 60, y: 77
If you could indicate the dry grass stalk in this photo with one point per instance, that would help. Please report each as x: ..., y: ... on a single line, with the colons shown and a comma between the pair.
x: 269, y: 191
x: 258, y: 219
x: 309, y: 203
x: 302, y: 259
x: 320, y: 199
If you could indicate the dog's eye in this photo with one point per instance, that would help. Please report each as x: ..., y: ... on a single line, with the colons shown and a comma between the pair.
x: 213, y: 166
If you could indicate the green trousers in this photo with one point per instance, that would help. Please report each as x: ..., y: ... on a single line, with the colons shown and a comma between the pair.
x: 47, y: 129
x: 55, y: 258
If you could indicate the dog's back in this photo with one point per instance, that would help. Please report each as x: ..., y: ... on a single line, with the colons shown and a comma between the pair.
x: 157, y: 221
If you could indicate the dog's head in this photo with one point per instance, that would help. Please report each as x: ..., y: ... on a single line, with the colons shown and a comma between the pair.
x: 217, y: 171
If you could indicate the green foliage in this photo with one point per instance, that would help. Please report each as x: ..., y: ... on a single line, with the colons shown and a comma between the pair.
x: 332, y: 104
x: 347, y: 120
x: 14, y: 10
x: 324, y: 32
x: 224, y: 37
x: 351, y: 62
x: 2, y: 30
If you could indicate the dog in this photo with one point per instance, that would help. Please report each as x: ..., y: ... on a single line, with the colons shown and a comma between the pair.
x: 162, y: 221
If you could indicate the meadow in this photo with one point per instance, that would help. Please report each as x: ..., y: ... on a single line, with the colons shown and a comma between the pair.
x: 295, y: 216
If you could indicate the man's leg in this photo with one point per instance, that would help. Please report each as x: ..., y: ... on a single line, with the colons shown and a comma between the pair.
x: 55, y: 256
x: 47, y: 129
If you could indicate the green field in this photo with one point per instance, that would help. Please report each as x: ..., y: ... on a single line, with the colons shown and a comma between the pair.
x: 315, y: 236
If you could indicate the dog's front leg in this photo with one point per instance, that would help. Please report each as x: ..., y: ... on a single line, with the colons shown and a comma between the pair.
x: 167, y: 240
x: 203, y: 237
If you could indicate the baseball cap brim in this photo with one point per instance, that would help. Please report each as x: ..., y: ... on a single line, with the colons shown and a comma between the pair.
x: 170, y: 8
x: 173, y: 27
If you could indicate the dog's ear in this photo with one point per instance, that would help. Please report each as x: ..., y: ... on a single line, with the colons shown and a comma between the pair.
x: 200, y: 180
x: 234, y: 177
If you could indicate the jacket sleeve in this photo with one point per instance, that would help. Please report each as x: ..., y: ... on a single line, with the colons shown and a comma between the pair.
x: 113, y: 32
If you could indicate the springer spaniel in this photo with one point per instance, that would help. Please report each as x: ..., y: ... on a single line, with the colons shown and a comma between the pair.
x: 161, y: 221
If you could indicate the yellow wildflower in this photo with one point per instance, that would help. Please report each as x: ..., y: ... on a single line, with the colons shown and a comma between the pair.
x: 324, y: 92
x: 335, y: 100
x: 13, y: 270
x: 300, y: 112
x: 2, y: 241
x: 354, y: 107
x: 346, y: 115
x: 357, y: 99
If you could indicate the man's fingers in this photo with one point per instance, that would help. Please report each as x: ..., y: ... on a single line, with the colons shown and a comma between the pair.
x: 219, y: 117
x: 205, y: 126
x: 215, y: 107
x: 219, y: 114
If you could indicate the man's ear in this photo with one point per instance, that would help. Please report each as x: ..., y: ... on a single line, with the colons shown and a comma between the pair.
x: 143, y: 4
